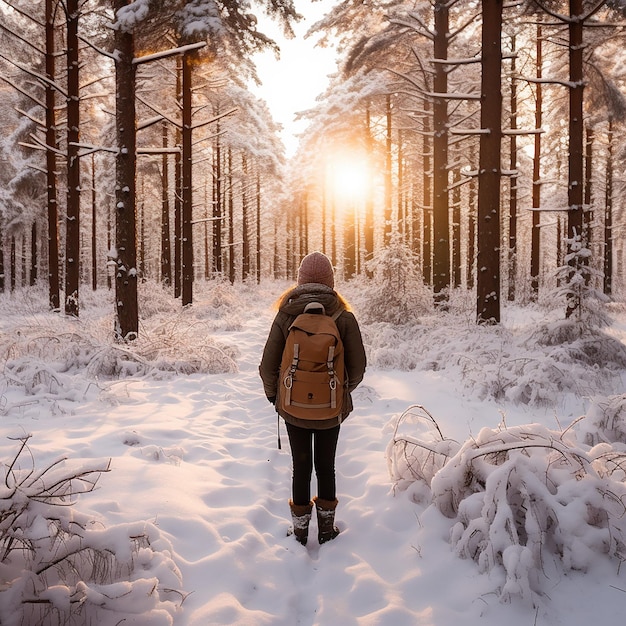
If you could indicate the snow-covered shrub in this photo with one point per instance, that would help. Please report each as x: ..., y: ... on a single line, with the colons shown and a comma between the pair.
x: 605, y: 421
x: 418, y: 449
x: 572, y: 341
x: 391, y: 347
x: 526, y: 503
x: 47, y: 351
x: 397, y: 293
x: 58, y: 566
x: 527, y: 361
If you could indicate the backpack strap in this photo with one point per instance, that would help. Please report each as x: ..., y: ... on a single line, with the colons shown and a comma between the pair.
x: 288, y: 382
x: 332, y: 377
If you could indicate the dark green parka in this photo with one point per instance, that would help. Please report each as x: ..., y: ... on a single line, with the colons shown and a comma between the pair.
x: 291, y: 305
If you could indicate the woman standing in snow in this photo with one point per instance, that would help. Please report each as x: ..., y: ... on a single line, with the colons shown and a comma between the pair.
x: 313, y: 442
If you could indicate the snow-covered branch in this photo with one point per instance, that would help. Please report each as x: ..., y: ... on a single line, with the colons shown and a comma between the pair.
x: 164, y: 54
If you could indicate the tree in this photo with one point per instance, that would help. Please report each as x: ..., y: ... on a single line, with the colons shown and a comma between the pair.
x: 126, y: 306
x: 488, y: 271
x: 72, y: 221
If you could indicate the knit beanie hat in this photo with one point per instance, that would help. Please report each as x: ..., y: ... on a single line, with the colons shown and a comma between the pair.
x: 316, y: 268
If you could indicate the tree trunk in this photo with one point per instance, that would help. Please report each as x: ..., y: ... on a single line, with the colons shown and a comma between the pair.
x: 368, y: 228
x: 588, y: 195
x: 187, y: 188
x: 127, y: 322
x: 231, y: 219
x: 456, y: 227
x: 388, y: 187
x: 166, y: 250
x: 441, y: 219
x: 33, y: 255
x: 488, y: 270
x: 471, y: 226
x: 427, y: 266
x: 208, y: 255
x: 258, y: 226
x: 13, y: 265
x: 245, y: 254
x: 178, y: 192
x: 512, y: 252
x: 349, y: 243
x: 141, y: 214
x: 217, y: 198
x: 94, y: 238
x: 536, y: 214
x: 400, y: 208
x: 608, y: 215
x: 51, y: 166
x: 72, y: 234
x: 2, y: 274
x: 575, y: 163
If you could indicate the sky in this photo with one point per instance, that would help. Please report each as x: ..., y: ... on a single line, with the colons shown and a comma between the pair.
x: 292, y: 83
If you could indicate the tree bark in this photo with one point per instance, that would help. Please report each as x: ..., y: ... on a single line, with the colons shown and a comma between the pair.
x: 166, y: 250
x: 608, y: 215
x: 217, y: 198
x: 187, y: 188
x: 72, y: 233
x: 127, y: 314
x: 178, y: 192
x: 245, y: 254
x: 2, y: 273
x: 94, y: 238
x: 536, y: 214
x: 258, y: 226
x: 427, y: 265
x: 488, y: 270
x: 33, y: 255
x: 512, y: 251
x: 441, y: 218
x: 388, y: 186
x: 575, y: 160
x: 51, y: 166
x: 231, y: 219
x: 368, y: 228
x: 456, y: 227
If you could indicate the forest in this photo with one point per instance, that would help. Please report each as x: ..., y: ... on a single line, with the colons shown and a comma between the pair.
x: 464, y: 170
x: 477, y: 144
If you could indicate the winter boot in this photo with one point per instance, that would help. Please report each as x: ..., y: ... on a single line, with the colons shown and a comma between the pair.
x: 326, y: 529
x: 301, y: 516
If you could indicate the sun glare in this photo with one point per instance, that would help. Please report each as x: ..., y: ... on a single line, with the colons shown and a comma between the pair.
x: 349, y: 177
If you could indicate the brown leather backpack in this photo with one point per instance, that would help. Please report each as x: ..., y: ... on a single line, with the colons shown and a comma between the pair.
x: 312, y: 383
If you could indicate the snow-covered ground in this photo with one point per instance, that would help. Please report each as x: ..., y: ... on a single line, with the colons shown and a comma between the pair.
x: 195, y: 468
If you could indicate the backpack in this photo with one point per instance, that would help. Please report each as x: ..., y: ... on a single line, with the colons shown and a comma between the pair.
x: 312, y: 382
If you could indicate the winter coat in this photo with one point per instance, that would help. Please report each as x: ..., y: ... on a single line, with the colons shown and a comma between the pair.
x: 292, y: 304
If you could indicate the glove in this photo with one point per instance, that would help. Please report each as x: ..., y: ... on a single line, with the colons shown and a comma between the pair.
x: 272, y: 399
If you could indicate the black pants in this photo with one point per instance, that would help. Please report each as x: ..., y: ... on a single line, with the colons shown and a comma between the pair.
x: 308, y: 448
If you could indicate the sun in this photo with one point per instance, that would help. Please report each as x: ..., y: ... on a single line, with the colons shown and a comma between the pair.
x: 348, y: 177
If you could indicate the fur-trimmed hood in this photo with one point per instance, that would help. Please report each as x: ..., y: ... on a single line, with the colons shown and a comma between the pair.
x: 293, y: 301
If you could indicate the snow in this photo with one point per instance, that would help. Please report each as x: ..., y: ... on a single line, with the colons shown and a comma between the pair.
x: 192, y: 496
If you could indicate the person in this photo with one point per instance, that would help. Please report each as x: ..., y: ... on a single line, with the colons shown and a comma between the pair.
x: 313, y: 443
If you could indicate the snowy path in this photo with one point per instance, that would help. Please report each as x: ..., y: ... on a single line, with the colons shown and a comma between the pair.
x: 197, y: 456
x: 203, y: 451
